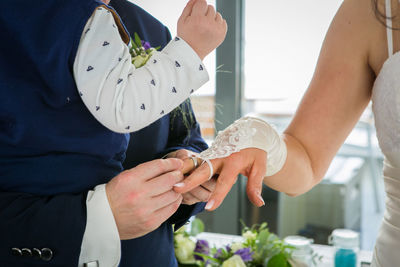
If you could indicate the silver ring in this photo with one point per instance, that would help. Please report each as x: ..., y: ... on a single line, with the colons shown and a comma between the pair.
x: 195, y: 163
x: 210, y: 166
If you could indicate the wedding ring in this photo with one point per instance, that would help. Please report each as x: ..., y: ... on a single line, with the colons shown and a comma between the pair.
x: 195, y: 163
x: 210, y: 166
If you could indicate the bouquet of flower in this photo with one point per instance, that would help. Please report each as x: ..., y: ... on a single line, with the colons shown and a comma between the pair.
x: 259, y: 248
x: 141, y: 51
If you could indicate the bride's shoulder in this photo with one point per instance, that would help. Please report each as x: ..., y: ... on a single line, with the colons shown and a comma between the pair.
x: 366, y: 20
x: 355, y: 23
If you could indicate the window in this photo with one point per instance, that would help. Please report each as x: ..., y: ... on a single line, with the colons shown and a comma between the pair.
x: 282, y: 43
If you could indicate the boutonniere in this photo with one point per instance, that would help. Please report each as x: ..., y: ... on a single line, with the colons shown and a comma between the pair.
x: 141, y: 51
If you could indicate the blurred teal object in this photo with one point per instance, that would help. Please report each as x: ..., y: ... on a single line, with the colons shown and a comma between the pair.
x: 345, y: 258
x: 346, y: 243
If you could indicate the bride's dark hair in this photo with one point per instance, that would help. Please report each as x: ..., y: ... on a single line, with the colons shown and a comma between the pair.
x: 382, y: 16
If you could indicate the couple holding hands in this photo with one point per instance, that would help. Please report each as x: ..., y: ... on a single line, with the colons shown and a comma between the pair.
x: 83, y: 129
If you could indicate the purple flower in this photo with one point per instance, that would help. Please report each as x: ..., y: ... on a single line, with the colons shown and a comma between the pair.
x: 146, y: 45
x: 218, y: 254
x: 202, y: 247
x: 245, y: 253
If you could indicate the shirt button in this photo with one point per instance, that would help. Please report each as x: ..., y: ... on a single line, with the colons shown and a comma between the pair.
x: 91, y: 264
x: 16, y: 252
x: 36, y: 253
x: 47, y: 254
x: 26, y: 252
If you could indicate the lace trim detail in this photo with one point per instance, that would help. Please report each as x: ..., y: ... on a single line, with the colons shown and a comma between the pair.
x: 249, y: 132
x: 235, y: 137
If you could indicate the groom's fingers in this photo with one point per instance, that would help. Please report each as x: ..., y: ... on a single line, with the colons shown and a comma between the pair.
x: 154, y: 168
x: 197, y: 177
x: 188, y: 164
x: 163, y: 183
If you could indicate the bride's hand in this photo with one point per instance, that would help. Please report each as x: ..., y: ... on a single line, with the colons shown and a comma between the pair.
x: 251, y: 162
x: 200, y: 193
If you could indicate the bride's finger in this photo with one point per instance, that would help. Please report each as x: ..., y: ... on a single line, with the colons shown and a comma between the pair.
x: 255, y: 179
x: 197, y: 177
x: 225, y: 181
x: 254, y: 188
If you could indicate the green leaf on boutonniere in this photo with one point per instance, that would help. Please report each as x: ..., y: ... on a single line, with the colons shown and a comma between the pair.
x: 134, y: 46
x: 138, y: 42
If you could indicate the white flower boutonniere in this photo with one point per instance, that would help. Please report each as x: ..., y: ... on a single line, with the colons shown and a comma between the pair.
x: 141, y: 51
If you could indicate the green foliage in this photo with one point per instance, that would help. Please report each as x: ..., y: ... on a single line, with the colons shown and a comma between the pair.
x: 268, y: 250
x: 185, y: 114
x: 138, y: 41
x: 197, y: 227
x: 267, y: 245
x: 279, y: 260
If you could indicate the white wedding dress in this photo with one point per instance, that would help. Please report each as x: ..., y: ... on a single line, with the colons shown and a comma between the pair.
x: 386, y: 107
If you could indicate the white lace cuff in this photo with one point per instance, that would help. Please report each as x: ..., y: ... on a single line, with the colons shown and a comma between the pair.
x: 249, y: 132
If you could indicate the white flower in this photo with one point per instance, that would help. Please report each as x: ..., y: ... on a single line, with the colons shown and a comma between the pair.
x: 179, y: 238
x: 139, y: 61
x: 184, y: 249
x: 234, y: 261
x: 151, y: 52
x: 236, y: 246
x: 249, y: 235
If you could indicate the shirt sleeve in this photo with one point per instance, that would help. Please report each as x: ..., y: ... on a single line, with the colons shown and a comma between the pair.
x: 101, y: 243
x: 121, y: 97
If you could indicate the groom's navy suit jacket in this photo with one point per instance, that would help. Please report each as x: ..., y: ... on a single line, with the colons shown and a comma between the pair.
x: 154, y: 141
x: 44, y: 182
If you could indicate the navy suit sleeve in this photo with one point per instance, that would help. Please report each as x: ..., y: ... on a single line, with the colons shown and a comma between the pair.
x: 54, y: 222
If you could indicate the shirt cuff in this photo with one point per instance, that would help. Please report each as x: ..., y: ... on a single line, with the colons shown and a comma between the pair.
x: 179, y: 49
x: 101, y: 240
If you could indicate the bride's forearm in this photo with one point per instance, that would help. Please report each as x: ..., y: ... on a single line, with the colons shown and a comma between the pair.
x: 297, y: 175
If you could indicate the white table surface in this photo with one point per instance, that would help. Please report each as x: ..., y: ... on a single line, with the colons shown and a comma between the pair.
x: 219, y: 240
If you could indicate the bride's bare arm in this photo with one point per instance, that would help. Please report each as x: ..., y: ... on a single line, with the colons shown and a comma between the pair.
x: 338, y: 94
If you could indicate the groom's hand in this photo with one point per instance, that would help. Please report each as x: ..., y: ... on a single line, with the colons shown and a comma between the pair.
x: 200, y: 193
x: 142, y: 198
x: 201, y: 27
